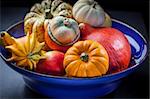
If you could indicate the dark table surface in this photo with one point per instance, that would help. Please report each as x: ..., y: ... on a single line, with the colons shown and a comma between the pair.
x: 135, y: 85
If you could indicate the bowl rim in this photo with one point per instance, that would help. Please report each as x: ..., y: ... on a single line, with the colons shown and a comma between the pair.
x: 75, y: 78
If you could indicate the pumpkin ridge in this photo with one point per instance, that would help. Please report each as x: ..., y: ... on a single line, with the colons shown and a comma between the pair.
x: 36, y: 8
x: 29, y: 25
x: 30, y: 15
x: 95, y: 69
x: 93, y: 48
x: 72, y: 62
x: 88, y: 13
x: 86, y: 69
x: 86, y: 46
x: 38, y: 28
x: 97, y: 18
x: 71, y: 58
x: 81, y: 70
x: 73, y: 51
x: 93, y: 52
x: 54, y: 5
x: 102, y: 64
x: 46, y: 4
x: 76, y: 10
x: 64, y: 8
x: 100, y: 23
x: 95, y: 55
x: 76, y: 69
x: 98, y: 67
x: 80, y: 12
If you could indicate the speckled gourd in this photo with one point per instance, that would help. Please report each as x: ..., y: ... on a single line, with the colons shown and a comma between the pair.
x: 34, y: 20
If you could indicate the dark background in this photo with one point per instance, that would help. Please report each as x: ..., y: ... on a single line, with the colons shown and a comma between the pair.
x: 126, y: 5
x: 132, y: 12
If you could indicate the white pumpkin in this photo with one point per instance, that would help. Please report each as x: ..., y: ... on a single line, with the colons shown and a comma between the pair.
x: 64, y: 31
x: 107, y: 22
x: 89, y: 11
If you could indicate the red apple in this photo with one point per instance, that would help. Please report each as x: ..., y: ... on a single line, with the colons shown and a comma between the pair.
x: 52, y: 65
x: 115, y: 43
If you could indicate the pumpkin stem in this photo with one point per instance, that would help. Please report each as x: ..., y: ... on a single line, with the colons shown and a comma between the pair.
x: 48, y: 14
x: 84, y: 57
x: 94, y: 4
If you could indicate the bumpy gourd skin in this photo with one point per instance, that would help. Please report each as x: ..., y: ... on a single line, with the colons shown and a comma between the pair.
x: 34, y: 20
x: 26, y: 51
x: 86, y: 59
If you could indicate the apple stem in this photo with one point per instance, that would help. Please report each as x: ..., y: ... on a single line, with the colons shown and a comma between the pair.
x: 94, y: 4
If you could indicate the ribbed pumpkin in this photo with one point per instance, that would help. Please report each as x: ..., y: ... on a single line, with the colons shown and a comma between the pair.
x: 34, y: 20
x: 60, y: 8
x: 61, y: 33
x: 86, y: 59
x: 89, y: 11
x: 107, y: 22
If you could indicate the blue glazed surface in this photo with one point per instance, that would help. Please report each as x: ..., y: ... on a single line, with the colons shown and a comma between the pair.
x: 54, y: 86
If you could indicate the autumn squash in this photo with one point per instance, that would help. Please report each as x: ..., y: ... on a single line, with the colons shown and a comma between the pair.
x: 62, y: 33
x: 89, y: 11
x: 86, y: 59
x: 26, y: 51
x: 60, y: 8
x: 107, y: 22
x: 34, y: 20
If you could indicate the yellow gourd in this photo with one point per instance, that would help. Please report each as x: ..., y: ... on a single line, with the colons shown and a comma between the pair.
x: 26, y: 51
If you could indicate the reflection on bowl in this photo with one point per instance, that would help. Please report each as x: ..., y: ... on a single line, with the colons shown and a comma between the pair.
x: 55, y: 86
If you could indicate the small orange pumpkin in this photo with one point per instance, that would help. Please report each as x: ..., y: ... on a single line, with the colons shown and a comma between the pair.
x: 86, y: 59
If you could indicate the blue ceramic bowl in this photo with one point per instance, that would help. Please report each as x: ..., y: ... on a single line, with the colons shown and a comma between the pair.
x: 55, y: 86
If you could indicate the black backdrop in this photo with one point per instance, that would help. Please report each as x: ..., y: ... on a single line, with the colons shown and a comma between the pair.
x: 127, y: 5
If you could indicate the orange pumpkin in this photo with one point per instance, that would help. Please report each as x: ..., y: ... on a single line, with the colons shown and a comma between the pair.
x: 86, y: 59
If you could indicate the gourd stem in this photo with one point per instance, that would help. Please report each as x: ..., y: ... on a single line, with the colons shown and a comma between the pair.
x: 2, y: 34
x: 48, y: 14
x: 84, y: 57
x: 94, y: 4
